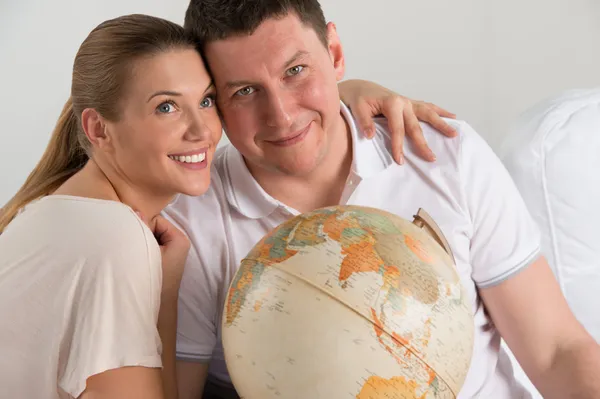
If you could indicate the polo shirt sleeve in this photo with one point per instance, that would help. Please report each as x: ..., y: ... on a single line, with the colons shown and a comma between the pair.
x: 504, y: 237
x: 196, y: 324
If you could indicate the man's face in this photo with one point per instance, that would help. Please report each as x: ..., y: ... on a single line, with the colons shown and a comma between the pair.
x: 277, y: 92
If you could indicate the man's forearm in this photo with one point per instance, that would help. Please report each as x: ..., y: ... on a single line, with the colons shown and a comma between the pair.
x: 575, y: 373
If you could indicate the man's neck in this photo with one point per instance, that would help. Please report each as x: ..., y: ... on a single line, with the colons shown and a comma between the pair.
x: 324, y: 185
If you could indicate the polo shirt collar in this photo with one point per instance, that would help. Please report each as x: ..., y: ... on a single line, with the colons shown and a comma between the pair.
x: 243, y: 192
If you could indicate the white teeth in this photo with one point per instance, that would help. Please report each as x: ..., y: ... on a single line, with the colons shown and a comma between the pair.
x: 189, y: 158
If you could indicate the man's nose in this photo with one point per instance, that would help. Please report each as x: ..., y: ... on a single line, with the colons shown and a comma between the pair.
x: 279, y: 110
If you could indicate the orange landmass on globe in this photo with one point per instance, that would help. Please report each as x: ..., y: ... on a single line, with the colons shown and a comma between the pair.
x: 404, y: 347
x: 417, y: 248
x: 334, y: 227
x: 398, y: 340
x: 394, y: 388
x: 358, y: 247
x: 360, y: 257
x: 271, y: 249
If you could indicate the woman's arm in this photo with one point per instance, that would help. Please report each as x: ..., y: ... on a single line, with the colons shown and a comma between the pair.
x: 143, y: 382
x: 124, y: 324
x: 368, y: 100
x: 125, y: 383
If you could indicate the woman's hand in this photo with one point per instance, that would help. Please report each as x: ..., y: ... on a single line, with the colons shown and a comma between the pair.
x: 368, y: 100
x: 174, y: 247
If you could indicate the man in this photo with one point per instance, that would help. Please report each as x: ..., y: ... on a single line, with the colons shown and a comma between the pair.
x: 295, y: 148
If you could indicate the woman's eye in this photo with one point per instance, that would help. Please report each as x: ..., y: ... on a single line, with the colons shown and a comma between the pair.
x: 246, y: 91
x: 165, y: 108
x: 207, y: 102
x: 295, y: 70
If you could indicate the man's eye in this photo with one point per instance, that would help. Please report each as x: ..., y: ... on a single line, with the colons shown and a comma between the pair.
x: 246, y: 91
x: 166, y: 108
x: 295, y: 70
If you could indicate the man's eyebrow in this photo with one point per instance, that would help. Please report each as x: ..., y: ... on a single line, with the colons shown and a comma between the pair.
x: 241, y: 83
x: 176, y: 93
x: 238, y: 83
x: 295, y: 58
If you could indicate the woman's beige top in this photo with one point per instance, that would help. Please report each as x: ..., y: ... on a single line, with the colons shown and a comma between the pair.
x: 80, y: 283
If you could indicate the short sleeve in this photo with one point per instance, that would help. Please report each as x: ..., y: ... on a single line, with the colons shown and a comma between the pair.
x: 504, y: 237
x: 115, y: 304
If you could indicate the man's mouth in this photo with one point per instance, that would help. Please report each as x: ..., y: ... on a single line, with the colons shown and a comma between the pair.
x: 293, y: 138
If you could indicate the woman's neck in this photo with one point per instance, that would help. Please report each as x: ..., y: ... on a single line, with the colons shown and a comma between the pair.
x: 94, y: 181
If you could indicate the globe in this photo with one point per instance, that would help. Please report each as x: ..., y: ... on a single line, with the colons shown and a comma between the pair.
x: 348, y: 302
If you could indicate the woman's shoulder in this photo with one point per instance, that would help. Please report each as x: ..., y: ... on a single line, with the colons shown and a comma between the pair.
x: 92, y: 228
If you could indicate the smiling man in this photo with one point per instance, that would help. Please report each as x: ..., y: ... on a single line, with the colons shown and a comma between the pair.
x: 295, y: 147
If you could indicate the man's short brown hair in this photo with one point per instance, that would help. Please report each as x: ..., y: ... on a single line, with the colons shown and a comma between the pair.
x: 211, y: 20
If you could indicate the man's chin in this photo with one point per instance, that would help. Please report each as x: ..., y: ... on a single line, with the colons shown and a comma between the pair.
x: 304, y: 168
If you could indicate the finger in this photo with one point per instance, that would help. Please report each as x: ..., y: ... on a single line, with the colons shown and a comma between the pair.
x: 414, y: 131
x: 441, y: 111
x: 163, y: 230
x: 364, y: 114
x: 440, y: 125
x: 397, y: 133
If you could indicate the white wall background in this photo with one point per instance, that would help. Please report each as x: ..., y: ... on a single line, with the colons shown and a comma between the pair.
x: 485, y: 60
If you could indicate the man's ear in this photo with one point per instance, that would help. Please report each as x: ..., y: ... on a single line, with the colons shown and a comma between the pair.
x: 95, y: 129
x: 336, y: 52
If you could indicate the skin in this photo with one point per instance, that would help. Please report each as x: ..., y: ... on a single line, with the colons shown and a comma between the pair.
x: 287, y: 91
x: 282, y: 111
x: 167, y: 109
x: 133, y: 152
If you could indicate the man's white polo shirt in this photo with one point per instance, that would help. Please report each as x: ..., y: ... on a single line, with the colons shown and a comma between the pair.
x: 467, y: 191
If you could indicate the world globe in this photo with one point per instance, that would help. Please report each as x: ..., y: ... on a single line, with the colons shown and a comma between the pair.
x: 348, y: 302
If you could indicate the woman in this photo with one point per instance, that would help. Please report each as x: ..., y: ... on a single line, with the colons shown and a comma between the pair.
x: 90, y: 292
x: 90, y: 272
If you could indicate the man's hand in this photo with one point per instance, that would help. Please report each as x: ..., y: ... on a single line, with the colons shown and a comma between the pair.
x: 368, y: 99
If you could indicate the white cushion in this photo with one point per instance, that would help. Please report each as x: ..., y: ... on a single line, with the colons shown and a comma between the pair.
x: 553, y: 155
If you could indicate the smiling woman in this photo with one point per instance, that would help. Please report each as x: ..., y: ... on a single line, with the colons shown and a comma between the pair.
x: 87, y: 263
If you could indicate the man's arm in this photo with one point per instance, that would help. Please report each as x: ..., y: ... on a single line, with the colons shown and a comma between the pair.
x: 191, y: 378
x: 531, y: 314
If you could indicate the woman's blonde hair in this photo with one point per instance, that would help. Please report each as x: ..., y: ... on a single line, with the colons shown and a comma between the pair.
x: 100, y: 71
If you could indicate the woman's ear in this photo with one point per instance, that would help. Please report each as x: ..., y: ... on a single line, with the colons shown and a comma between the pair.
x: 95, y: 129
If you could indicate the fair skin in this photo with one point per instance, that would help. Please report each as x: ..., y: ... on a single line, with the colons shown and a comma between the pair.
x: 279, y: 111
x: 167, y: 111
x: 367, y: 99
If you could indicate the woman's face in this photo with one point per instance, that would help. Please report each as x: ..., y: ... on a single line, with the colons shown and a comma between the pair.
x: 168, y: 129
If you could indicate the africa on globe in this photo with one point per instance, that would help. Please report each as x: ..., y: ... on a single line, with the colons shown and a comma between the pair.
x: 348, y: 302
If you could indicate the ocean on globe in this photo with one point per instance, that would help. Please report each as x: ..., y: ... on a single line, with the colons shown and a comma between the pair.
x: 348, y: 302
